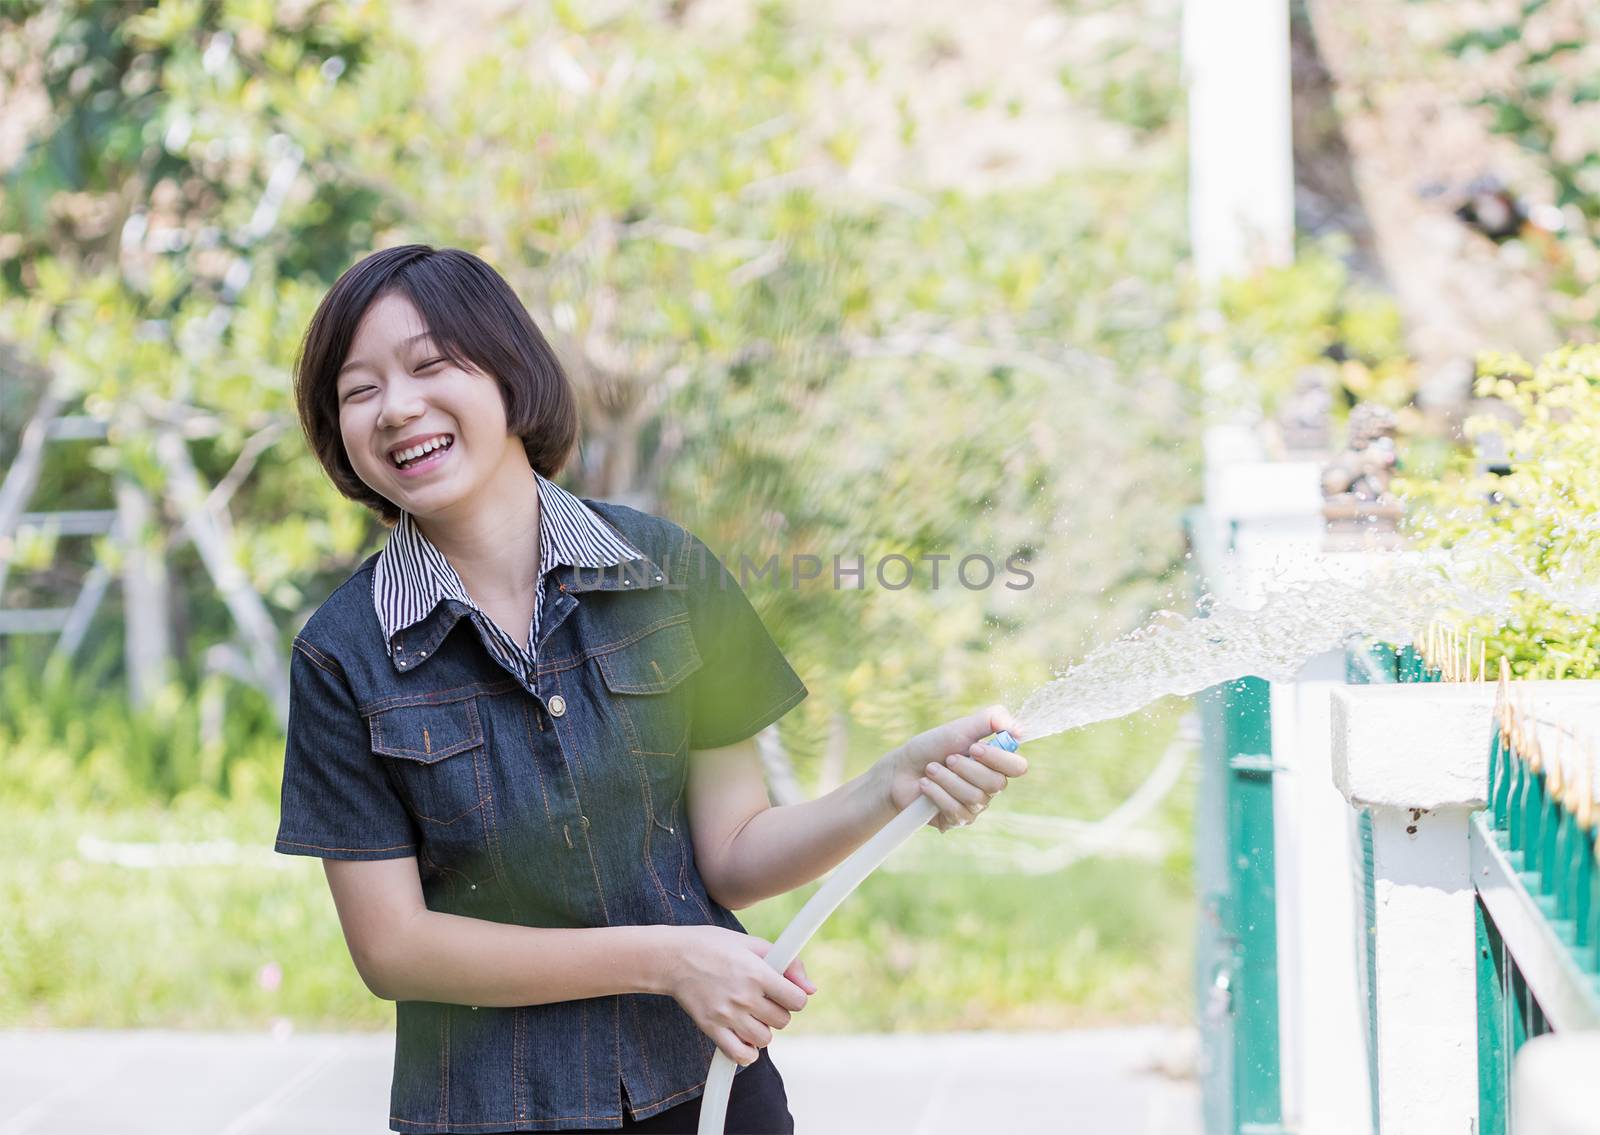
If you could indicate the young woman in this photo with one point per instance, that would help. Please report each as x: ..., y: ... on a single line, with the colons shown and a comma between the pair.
x: 520, y: 741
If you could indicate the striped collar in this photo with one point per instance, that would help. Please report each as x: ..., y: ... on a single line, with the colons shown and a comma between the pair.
x: 412, y: 577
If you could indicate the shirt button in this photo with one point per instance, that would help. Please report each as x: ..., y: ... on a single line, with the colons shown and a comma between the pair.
x: 558, y: 705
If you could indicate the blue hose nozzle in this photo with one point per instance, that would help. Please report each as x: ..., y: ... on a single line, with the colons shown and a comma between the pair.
x: 1004, y: 740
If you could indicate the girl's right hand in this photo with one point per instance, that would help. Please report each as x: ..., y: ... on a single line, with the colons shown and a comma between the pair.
x: 735, y: 998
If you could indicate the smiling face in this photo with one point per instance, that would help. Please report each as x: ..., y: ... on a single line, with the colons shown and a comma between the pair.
x: 420, y: 431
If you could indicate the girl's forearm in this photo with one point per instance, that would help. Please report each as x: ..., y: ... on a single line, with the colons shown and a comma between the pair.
x: 782, y: 848
x: 472, y: 961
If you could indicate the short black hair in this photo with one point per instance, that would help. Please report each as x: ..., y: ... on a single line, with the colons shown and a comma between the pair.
x: 477, y: 322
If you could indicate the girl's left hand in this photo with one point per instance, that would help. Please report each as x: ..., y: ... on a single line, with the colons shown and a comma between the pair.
x: 951, y: 766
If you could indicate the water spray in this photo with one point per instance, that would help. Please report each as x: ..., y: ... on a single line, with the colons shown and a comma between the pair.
x: 845, y: 879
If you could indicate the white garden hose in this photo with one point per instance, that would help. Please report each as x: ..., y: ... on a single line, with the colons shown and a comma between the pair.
x: 846, y: 878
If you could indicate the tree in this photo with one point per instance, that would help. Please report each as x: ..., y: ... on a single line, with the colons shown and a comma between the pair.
x: 786, y: 362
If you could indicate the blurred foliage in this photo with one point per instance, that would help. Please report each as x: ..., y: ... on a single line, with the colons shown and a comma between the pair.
x: 1535, y: 69
x: 1313, y: 319
x: 1134, y: 78
x: 1545, y: 418
x: 924, y: 437
x: 694, y: 246
x: 83, y: 740
x: 161, y: 252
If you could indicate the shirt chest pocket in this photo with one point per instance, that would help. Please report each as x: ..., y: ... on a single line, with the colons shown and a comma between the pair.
x: 435, y: 752
x: 646, y: 678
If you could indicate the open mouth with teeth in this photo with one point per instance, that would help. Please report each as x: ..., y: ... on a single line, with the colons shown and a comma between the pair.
x: 431, y: 450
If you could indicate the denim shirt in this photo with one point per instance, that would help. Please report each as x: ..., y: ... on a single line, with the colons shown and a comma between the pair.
x: 553, y: 800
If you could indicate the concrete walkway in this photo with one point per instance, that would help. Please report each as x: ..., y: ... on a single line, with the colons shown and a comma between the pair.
x: 177, y: 1083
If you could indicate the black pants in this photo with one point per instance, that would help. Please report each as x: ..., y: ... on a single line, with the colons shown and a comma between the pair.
x: 757, y: 1105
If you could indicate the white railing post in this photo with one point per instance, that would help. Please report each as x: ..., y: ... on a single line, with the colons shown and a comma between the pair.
x: 1549, y: 1091
x: 1417, y: 758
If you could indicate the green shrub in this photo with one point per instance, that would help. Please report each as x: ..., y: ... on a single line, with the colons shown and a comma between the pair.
x: 1314, y: 314
x: 69, y: 734
x: 1546, y: 418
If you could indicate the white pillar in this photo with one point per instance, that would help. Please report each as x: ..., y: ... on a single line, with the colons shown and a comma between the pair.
x: 1241, y: 166
x: 1417, y: 758
x: 1241, y: 154
x: 1323, y: 1048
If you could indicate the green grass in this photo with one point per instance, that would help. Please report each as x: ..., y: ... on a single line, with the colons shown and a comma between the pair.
x: 1095, y: 943
x: 930, y: 943
x: 935, y: 947
x: 96, y: 944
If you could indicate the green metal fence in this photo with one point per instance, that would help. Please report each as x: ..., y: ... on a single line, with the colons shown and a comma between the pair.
x: 1538, y: 911
x: 1237, y: 945
x: 1236, y: 941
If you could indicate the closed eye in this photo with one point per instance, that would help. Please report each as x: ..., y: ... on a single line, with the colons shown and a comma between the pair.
x: 430, y: 363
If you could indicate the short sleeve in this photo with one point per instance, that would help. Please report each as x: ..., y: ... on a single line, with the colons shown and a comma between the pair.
x: 745, y: 683
x: 337, y: 801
